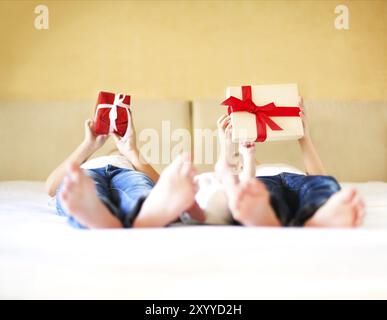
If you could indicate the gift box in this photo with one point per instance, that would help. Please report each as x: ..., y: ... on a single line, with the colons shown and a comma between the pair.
x: 264, y: 113
x: 112, y: 113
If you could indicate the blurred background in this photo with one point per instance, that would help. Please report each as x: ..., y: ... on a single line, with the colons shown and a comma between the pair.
x: 177, y: 58
x: 190, y: 49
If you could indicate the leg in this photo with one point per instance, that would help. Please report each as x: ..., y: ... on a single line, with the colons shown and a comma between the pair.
x: 322, y: 203
x: 281, y: 199
x: 129, y: 189
x: 248, y: 201
x: 173, y: 194
x: 85, y: 200
x: 343, y: 209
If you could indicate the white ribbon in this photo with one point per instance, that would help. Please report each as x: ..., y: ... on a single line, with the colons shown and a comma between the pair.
x: 118, y: 102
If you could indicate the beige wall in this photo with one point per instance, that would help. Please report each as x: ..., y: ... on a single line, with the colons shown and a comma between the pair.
x: 186, y: 50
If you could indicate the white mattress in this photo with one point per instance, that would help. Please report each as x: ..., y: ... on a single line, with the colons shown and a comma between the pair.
x: 42, y: 257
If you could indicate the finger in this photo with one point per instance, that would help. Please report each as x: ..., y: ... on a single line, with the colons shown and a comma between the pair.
x: 116, y: 137
x: 229, y: 126
x: 301, y: 102
x: 88, y: 123
x: 102, y: 138
x: 225, y: 122
x: 228, y: 131
x: 130, y: 120
x: 221, y: 118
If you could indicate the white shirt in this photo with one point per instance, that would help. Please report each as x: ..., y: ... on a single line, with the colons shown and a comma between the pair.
x: 116, y: 160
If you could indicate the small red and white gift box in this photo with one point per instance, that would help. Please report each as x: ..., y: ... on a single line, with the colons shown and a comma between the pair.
x: 112, y: 113
x: 264, y: 112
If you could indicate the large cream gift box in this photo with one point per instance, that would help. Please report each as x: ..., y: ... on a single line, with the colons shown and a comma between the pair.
x: 268, y: 100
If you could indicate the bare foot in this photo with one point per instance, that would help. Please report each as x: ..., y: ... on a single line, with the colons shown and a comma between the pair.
x: 345, y: 209
x: 249, y: 201
x: 79, y: 198
x: 173, y: 194
x: 250, y: 204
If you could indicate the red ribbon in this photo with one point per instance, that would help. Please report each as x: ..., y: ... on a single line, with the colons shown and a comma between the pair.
x: 262, y: 113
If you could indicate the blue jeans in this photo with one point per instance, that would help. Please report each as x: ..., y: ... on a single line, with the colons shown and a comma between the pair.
x: 295, y: 197
x: 123, y: 191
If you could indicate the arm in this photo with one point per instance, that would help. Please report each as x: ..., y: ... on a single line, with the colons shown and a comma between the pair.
x: 312, y: 161
x: 141, y: 165
x: 128, y: 148
x: 88, y: 146
x: 228, y: 154
x: 247, y: 150
x: 246, y: 157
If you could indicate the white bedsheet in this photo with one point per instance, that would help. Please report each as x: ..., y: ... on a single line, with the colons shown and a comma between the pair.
x: 42, y: 257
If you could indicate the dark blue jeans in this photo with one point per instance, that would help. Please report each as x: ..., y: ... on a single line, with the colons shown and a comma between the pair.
x: 295, y: 198
x: 122, y: 191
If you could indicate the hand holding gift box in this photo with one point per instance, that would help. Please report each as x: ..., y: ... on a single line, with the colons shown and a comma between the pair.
x: 112, y: 113
x: 264, y: 113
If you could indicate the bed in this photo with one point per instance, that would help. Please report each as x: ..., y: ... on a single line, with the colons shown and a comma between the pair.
x: 41, y: 256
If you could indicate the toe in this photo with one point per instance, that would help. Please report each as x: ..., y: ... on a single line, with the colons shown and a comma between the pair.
x: 358, y: 218
x: 180, y: 160
x: 75, y: 172
x: 354, y: 215
x: 64, y: 195
x: 360, y: 212
x: 347, y: 195
x: 68, y: 184
x: 257, y: 187
x: 358, y: 221
x: 66, y: 180
x: 244, y: 190
x: 187, y: 170
x: 238, y: 197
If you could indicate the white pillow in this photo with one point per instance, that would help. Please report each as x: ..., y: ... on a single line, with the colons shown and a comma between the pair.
x: 274, y: 169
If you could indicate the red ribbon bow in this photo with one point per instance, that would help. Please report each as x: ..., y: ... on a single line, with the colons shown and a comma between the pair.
x: 262, y: 113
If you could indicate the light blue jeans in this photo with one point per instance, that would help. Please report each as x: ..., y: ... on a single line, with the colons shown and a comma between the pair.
x: 123, y: 191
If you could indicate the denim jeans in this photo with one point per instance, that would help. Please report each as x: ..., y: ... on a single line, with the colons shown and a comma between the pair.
x: 123, y: 191
x: 295, y: 197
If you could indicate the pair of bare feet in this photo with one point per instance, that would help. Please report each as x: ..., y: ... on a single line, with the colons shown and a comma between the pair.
x: 175, y: 193
x: 249, y: 203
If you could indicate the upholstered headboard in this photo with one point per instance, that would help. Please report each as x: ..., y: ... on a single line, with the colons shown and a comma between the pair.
x: 31, y: 148
x: 351, y: 137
